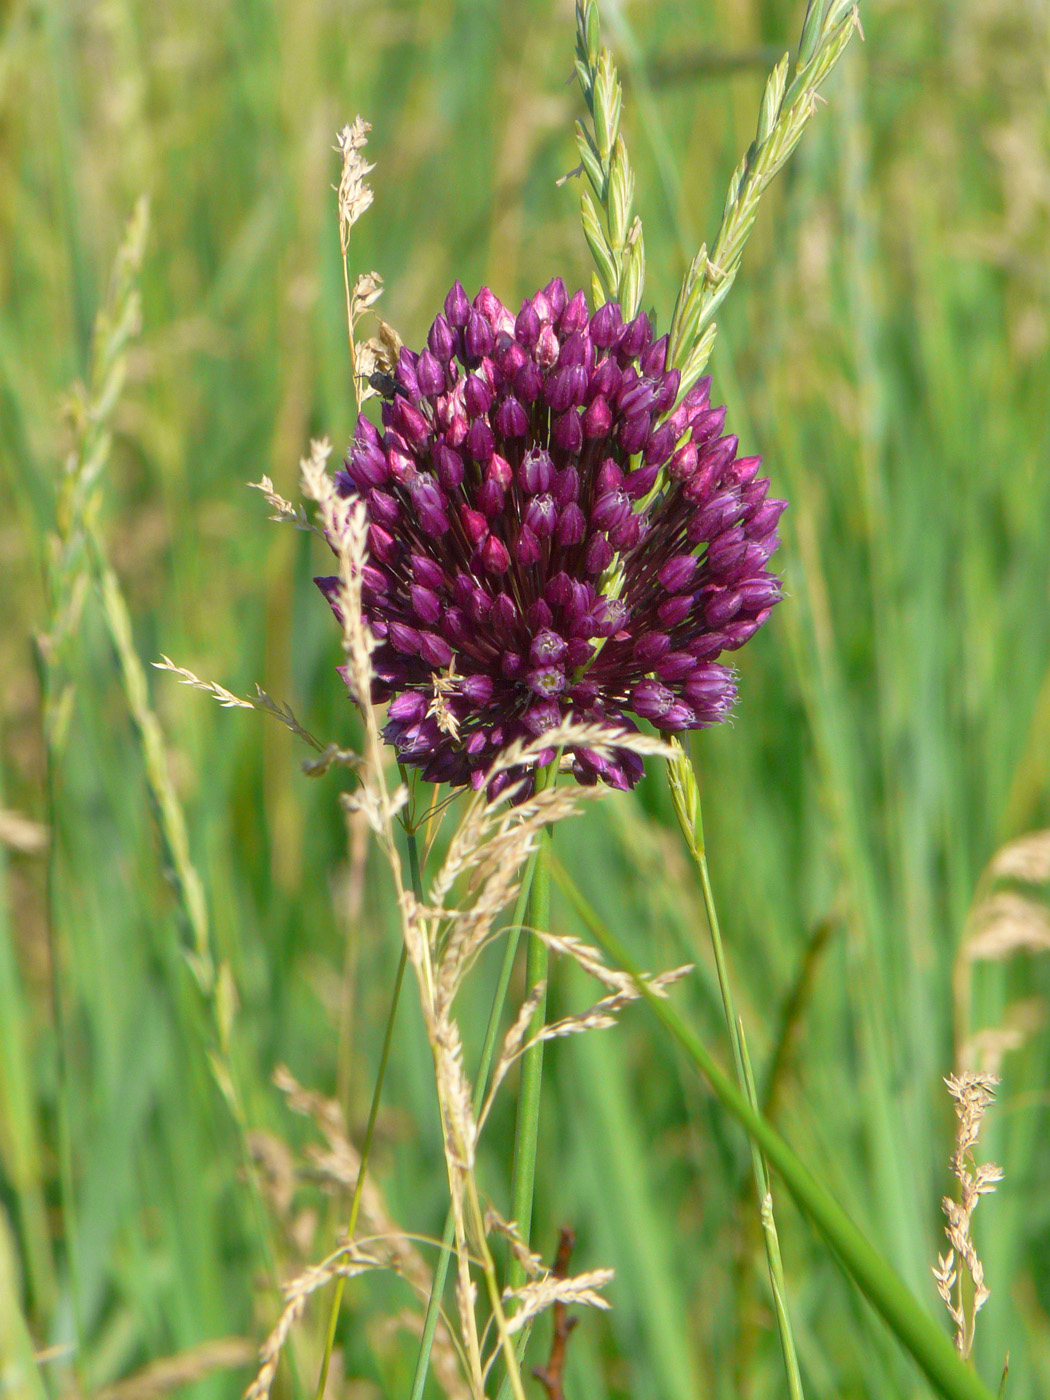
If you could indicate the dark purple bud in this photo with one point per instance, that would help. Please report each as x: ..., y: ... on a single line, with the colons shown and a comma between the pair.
x: 449, y: 467
x: 743, y: 471
x: 504, y: 616
x: 434, y: 650
x: 575, y: 315
x: 457, y: 306
x: 406, y: 373
x: 494, y: 556
x: 510, y: 357
x: 660, y: 445
x: 578, y: 653
x: 668, y: 391
x: 480, y: 442
x: 572, y: 526
x: 672, y: 611
x: 609, y: 477
x: 566, y: 387
x: 650, y: 646
x: 542, y: 515
x: 376, y: 582
x: 442, y: 340
x: 598, y: 419
x: 536, y: 472
x: 765, y: 518
x: 425, y: 603
x: 607, y: 380
x: 479, y: 605
x: 725, y: 551
x: 427, y: 571
x: 683, y: 464
x: 368, y: 466
x: 575, y: 352
x: 711, y: 519
x: 494, y: 312
x: 511, y: 665
x: 708, y: 425
x: 651, y: 700
x: 477, y: 395
x: 383, y: 508
x: 413, y: 426
x: 626, y: 535
x: 476, y: 744
x: 457, y: 627
x: 547, y: 648
x: 477, y: 337
x: 527, y: 326
x: 527, y: 549
x: 636, y: 397
x: 679, y: 716
x: 474, y: 524
x: 709, y: 685
x: 636, y: 336
x: 511, y: 419
x: 567, y: 432
x: 528, y: 382
x: 634, y: 433
x: 476, y: 689
x: 344, y: 484
x: 610, y: 510
x: 382, y: 544
x: 598, y: 554
x: 567, y: 486
x: 404, y: 639
x: 674, y: 666
x: 653, y: 361
x: 721, y: 605
x: 538, y: 617
x: 639, y: 483
x: 759, y: 593
x: 607, y: 325
x: 677, y: 574
x: 408, y: 708
x: 430, y: 374
x: 547, y: 347
x: 558, y: 591
x: 556, y: 296
x: 490, y: 499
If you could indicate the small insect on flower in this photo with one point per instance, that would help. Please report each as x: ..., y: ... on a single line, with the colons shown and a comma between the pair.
x: 553, y: 534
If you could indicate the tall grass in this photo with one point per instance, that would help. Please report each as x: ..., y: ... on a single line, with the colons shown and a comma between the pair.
x: 885, y: 348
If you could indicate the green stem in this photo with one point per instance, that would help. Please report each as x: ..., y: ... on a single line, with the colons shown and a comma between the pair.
x: 698, y: 847
x: 488, y: 1051
x: 872, y: 1274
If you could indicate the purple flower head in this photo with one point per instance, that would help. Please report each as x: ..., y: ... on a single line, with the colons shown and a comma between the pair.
x: 554, y: 534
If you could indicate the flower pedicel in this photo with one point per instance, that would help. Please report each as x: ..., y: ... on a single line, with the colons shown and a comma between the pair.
x: 551, y: 536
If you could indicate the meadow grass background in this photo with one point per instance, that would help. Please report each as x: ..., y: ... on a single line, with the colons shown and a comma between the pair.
x: 885, y: 349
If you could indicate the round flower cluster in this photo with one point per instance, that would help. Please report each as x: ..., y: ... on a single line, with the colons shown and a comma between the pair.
x: 551, y: 535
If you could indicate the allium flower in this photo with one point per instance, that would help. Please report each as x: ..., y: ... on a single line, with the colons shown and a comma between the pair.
x: 552, y: 537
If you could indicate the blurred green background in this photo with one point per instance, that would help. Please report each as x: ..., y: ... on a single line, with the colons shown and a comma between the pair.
x: 885, y: 349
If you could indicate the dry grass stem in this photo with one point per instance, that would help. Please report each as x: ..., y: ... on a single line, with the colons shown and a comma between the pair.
x: 260, y: 701
x: 972, y: 1094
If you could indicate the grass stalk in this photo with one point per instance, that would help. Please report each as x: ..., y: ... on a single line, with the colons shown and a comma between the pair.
x: 488, y: 1051
x: 685, y: 792
x: 914, y: 1329
x: 416, y: 878
x: 526, y: 1133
